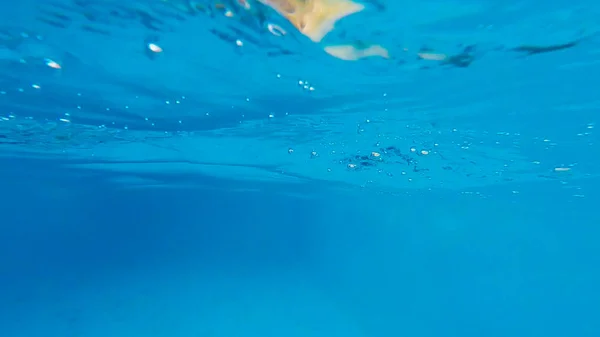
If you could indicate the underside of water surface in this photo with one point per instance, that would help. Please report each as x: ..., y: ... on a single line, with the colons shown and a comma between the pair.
x: 465, y: 96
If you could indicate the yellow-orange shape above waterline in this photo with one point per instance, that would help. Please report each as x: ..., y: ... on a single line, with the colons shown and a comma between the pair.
x: 314, y: 18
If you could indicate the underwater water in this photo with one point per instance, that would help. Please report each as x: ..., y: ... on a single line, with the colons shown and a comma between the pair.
x: 240, y: 168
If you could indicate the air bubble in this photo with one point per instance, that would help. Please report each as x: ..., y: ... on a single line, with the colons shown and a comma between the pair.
x: 153, y: 47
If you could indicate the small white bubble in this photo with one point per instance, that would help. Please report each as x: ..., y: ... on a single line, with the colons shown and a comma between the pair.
x: 275, y: 29
x: 153, y: 47
x: 52, y: 64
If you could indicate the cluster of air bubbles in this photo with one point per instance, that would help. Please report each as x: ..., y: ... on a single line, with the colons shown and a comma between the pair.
x: 7, y: 118
x: 589, y: 127
x: 306, y: 86
x: 422, y: 152
x: 177, y: 101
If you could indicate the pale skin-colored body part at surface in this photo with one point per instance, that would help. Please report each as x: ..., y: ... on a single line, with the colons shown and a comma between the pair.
x: 314, y: 18
x: 353, y: 53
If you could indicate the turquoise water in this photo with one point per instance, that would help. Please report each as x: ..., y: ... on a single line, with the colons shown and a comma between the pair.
x: 174, y: 168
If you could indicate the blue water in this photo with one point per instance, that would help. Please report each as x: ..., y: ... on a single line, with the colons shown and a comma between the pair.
x: 239, y: 183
